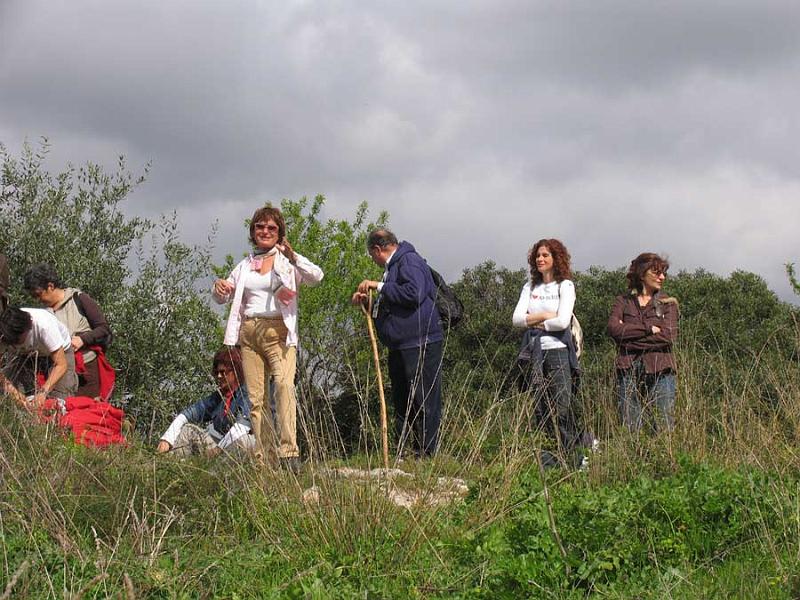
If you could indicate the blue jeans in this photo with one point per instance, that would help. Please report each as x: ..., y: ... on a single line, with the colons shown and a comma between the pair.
x: 641, y: 394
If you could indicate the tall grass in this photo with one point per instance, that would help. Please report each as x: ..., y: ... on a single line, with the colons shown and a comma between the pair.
x: 124, y: 522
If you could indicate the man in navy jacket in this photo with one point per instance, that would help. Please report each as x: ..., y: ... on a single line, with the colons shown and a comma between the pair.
x: 408, y: 324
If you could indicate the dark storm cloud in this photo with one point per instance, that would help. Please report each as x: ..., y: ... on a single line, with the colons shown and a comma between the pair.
x: 480, y: 126
x: 610, y: 45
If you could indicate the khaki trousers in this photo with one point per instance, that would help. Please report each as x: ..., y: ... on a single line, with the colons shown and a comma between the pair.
x: 197, y: 441
x: 265, y: 353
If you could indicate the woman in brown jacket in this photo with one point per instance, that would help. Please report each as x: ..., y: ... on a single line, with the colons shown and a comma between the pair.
x: 644, y: 325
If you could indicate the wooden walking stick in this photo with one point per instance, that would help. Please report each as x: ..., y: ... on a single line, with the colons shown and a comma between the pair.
x: 367, y: 310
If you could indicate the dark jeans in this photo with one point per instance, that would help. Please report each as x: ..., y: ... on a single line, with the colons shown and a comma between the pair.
x: 416, y: 375
x: 640, y: 392
x: 554, y: 408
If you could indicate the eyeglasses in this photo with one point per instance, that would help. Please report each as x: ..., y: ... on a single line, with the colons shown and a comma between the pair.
x: 658, y: 272
x: 268, y: 226
x: 220, y: 372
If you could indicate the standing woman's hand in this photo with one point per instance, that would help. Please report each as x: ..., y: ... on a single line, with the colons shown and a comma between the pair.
x: 537, y: 319
x: 286, y: 248
x: 223, y: 287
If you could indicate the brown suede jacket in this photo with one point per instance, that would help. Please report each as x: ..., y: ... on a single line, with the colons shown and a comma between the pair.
x: 630, y: 327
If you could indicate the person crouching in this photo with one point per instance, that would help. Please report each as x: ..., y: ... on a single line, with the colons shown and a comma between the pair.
x: 41, y: 345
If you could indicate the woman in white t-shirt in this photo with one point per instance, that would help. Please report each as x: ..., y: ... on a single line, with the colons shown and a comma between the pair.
x: 545, y: 310
x: 36, y: 335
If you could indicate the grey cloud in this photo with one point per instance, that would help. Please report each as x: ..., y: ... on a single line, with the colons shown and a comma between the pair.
x: 611, y: 44
x: 479, y: 126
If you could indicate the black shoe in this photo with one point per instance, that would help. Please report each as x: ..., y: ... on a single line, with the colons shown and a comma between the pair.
x: 291, y: 464
x: 405, y: 455
x: 549, y: 460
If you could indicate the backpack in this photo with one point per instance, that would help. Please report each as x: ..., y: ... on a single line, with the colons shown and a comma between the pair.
x: 577, y: 335
x: 451, y: 309
x: 576, y: 330
x: 90, y: 422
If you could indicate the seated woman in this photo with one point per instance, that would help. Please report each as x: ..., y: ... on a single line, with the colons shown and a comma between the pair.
x: 42, y: 345
x: 88, y: 328
x: 644, y: 325
x: 225, y: 413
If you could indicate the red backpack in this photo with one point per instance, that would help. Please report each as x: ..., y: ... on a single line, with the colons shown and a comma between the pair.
x: 92, y: 423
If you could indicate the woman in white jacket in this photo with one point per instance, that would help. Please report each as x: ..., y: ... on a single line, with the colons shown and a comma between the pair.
x: 263, y: 322
x: 545, y: 309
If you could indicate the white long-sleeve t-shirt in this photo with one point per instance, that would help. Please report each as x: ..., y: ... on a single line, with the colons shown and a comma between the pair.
x: 550, y: 297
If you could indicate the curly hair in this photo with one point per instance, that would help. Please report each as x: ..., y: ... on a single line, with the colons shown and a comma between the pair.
x: 268, y: 213
x: 640, y: 265
x: 561, y: 260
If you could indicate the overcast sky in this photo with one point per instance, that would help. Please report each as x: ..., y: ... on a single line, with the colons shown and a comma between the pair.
x: 618, y: 127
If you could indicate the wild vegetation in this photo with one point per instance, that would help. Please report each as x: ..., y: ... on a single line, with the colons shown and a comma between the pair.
x: 711, y: 510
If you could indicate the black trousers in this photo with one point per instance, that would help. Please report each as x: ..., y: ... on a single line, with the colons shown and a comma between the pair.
x: 416, y: 375
x: 554, y: 409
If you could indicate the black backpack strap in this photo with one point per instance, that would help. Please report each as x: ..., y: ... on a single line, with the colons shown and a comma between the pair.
x: 105, y: 342
x: 76, y: 298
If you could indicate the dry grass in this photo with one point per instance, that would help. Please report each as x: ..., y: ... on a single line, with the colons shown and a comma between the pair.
x: 135, y: 508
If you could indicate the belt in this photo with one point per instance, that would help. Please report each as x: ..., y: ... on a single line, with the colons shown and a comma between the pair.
x: 279, y: 318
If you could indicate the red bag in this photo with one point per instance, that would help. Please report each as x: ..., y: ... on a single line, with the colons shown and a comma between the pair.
x: 92, y: 423
x: 107, y: 376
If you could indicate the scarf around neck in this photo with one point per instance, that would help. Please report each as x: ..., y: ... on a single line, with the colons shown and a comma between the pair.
x: 281, y: 267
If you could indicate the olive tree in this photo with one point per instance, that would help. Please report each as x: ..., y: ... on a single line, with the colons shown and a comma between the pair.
x: 143, y: 277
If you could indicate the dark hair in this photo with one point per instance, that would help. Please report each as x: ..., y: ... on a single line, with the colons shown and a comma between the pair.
x: 267, y: 213
x: 230, y: 358
x: 38, y: 276
x: 640, y: 265
x: 561, y: 258
x: 14, y: 324
x: 382, y: 238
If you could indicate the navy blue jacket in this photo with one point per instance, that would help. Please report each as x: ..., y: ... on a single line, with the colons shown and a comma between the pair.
x: 212, y: 408
x: 407, y: 315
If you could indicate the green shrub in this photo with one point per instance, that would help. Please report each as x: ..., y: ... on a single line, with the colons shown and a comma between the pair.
x: 621, y: 535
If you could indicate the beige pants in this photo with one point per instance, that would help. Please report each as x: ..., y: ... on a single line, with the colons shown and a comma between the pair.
x: 197, y: 441
x: 265, y: 353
